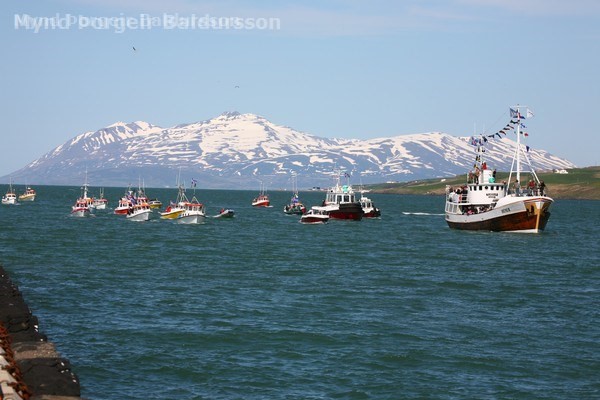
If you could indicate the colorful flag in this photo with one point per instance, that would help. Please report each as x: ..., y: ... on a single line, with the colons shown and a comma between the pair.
x: 194, y: 182
x: 529, y: 113
x: 514, y: 113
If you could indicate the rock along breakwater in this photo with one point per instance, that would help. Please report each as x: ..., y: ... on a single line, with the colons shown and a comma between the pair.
x: 30, y: 366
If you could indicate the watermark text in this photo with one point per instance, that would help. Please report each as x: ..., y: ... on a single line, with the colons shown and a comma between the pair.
x: 122, y: 23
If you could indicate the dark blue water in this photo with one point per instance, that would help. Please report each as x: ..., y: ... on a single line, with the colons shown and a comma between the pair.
x: 262, y: 306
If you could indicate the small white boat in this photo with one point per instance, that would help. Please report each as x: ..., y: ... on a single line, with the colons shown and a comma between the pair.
x: 369, y: 209
x: 10, y: 198
x: 193, y: 212
x: 315, y: 216
x: 225, y: 213
x: 100, y: 203
x: 139, y: 212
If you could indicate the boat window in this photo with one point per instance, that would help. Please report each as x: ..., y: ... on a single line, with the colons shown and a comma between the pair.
x: 346, y: 198
x: 486, y: 188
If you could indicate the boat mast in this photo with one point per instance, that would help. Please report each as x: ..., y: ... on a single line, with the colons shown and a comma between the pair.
x: 518, y: 144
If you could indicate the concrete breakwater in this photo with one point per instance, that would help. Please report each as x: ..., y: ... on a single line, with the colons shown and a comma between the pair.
x: 30, y: 366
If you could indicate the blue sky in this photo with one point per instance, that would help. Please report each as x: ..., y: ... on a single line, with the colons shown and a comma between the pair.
x: 352, y: 69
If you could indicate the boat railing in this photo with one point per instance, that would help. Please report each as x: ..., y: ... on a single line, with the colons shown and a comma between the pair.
x: 518, y: 192
x: 459, y: 198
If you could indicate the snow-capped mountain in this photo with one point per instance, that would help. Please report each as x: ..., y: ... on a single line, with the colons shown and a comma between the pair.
x: 237, y: 150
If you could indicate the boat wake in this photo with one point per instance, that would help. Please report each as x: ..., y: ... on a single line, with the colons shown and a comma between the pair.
x: 419, y: 213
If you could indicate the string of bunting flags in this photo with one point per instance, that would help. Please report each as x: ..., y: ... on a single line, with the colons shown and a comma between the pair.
x: 515, y: 121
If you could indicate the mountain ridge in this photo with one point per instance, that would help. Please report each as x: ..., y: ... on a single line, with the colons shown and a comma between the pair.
x: 234, y: 150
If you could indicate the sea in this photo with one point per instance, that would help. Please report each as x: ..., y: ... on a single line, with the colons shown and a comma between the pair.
x: 263, y: 307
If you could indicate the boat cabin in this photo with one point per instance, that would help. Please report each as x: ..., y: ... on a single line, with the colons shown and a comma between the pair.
x: 482, y: 190
x: 345, y: 195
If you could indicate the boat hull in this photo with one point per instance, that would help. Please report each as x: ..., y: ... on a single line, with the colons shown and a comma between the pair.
x: 225, y: 214
x: 121, y: 210
x: 80, y: 212
x: 527, y: 216
x: 347, y: 211
x: 174, y: 214
x: 264, y: 203
x: 99, y: 205
x: 294, y: 210
x: 190, y: 218
x: 140, y: 215
x: 373, y: 213
x: 314, y: 219
x: 27, y: 197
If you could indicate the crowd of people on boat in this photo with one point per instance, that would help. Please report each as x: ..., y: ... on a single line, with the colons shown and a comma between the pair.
x: 531, y: 189
x: 459, y: 195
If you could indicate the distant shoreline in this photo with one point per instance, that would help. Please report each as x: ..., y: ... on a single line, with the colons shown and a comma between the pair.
x: 576, y: 184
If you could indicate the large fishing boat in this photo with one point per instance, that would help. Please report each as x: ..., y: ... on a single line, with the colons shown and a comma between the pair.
x: 484, y: 204
x: 341, y: 203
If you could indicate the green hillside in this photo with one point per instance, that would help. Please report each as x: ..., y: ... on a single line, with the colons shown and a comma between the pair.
x: 579, y: 183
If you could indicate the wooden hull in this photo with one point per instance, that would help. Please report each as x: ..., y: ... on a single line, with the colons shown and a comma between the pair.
x: 528, y: 216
